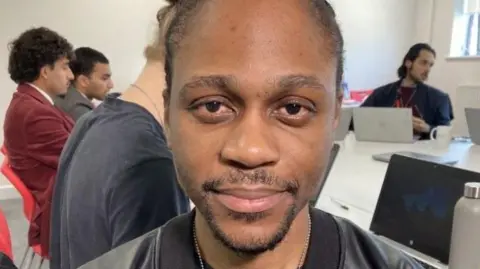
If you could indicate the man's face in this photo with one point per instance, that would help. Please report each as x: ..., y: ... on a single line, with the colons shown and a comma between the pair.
x: 58, y: 77
x: 420, y: 68
x: 251, y: 117
x: 99, y: 83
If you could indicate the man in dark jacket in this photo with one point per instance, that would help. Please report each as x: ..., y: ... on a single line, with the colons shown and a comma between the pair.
x: 251, y: 104
x: 430, y: 107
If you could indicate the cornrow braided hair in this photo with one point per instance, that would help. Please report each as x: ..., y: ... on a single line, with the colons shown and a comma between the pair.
x: 173, y: 21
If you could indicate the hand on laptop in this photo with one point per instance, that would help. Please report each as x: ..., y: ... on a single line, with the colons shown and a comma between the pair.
x: 420, y: 125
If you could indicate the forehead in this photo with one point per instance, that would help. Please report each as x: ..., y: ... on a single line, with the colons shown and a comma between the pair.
x: 101, y: 68
x: 426, y: 55
x: 254, y: 40
x: 62, y: 61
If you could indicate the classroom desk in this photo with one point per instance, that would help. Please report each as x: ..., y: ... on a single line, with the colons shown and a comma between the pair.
x: 356, y: 179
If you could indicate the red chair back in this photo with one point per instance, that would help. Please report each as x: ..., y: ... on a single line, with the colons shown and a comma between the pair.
x: 28, y: 200
x: 360, y: 95
x: 5, y: 239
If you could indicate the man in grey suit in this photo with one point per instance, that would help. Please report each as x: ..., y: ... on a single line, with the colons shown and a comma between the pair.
x: 92, y: 80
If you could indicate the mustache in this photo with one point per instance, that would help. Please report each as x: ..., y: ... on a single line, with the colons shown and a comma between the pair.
x: 255, y: 177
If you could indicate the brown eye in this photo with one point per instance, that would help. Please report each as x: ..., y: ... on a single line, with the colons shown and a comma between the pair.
x: 212, y: 111
x: 293, y: 109
x: 213, y: 106
x: 295, y: 113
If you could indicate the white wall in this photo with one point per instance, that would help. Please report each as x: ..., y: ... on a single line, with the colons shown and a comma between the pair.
x: 435, y: 21
x: 377, y: 34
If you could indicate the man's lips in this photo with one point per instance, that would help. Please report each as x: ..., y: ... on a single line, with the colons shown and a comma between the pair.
x: 249, y: 200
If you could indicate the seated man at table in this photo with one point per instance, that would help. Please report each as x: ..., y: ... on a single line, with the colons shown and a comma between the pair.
x: 93, y: 80
x: 430, y: 107
x: 35, y: 130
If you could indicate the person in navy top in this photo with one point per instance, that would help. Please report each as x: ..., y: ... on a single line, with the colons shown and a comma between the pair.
x: 431, y: 107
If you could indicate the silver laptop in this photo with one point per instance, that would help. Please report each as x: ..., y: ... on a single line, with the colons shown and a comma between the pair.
x: 344, y: 124
x: 473, y: 122
x: 385, y: 157
x: 380, y: 124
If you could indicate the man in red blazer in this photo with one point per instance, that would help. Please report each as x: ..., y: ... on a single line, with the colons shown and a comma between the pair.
x: 34, y: 129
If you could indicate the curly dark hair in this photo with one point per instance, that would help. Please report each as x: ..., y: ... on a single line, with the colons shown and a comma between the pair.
x: 34, y: 49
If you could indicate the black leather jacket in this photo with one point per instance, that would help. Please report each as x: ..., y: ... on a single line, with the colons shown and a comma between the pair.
x: 162, y: 249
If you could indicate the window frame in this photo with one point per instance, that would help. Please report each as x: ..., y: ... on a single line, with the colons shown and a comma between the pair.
x: 465, y: 39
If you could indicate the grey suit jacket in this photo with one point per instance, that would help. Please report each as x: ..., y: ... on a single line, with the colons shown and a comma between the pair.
x: 74, y: 103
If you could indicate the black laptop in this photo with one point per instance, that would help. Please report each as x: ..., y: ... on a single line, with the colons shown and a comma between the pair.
x: 416, y: 203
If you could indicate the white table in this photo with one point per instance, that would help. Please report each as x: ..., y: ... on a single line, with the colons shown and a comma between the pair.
x: 356, y: 179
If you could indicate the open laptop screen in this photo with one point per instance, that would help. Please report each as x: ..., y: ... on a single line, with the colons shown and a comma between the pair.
x: 416, y: 204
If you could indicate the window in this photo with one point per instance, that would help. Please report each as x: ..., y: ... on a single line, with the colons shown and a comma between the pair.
x: 466, y: 29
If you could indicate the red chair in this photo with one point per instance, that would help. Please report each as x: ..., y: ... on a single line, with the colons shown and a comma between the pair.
x: 360, y: 95
x: 29, y: 205
x: 5, y: 239
x: 28, y: 200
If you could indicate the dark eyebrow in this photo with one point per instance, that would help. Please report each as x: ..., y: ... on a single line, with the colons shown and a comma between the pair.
x: 219, y: 82
x: 292, y: 82
x: 227, y: 83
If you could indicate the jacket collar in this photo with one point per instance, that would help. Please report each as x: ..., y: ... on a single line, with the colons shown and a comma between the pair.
x: 35, y: 92
x: 77, y: 95
x: 398, y: 83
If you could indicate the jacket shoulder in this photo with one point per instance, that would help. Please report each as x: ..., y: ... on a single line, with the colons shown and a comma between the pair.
x: 435, y: 91
x: 146, y: 252
x: 364, y: 250
x: 24, y: 108
x: 140, y: 253
x: 386, y: 87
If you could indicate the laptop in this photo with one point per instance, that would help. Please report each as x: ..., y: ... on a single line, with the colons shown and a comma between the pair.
x: 385, y: 157
x: 473, y: 122
x: 415, y: 208
x: 331, y: 161
x: 344, y: 124
x: 381, y: 124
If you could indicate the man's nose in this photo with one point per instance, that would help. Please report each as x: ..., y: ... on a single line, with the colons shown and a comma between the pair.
x: 70, y: 75
x: 251, y: 145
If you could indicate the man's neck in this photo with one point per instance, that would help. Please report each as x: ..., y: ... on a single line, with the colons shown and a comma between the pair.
x: 39, y: 85
x: 148, y: 90
x: 82, y: 91
x: 408, y: 82
x: 286, y: 255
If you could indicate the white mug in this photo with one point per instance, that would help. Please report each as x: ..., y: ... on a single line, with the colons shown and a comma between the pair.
x: 442, y: 134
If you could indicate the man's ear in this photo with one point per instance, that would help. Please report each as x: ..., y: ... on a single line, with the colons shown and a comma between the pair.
x: 44, y: 71
x: 408, y: 64
x: 83, y: 81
